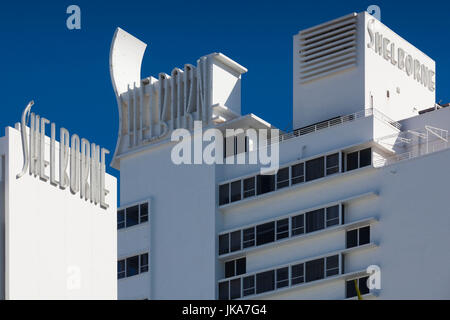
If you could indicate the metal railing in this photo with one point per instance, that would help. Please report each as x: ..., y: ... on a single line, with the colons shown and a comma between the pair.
x: 336, y: 121
x: 417, y: 151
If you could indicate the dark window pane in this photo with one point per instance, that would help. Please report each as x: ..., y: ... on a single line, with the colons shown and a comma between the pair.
x: 282, y: 277
x: 224, y: 194
x: 315, y: 220
x: 298, y: 224
x: 363, y: 289
x: 351, y: 289
x: 332, y: 265
x: 120, y: 219
x: 236, y: 191
x: 365, y: 157
x: 224, y: 245
x: 315, y: 169
x: 144, y: 212
x: 144, y: 262
x: 241, y: 266
x: 283, y: 178
x: 235, y: 288
x: 298, y: 175
x: 249, y: 237
x: 223, y: 291
x: 249, y: 285
x: 230, y: 269
x: 132, y: 266
x: 352, y: 238
x: 265, y: 281
x: 333, y: 163
x: 236, y: 240
x: 266, y: 183
x: 364, y: 235
x: 249, y: 187
x: 343, y: 213
x: 265, y: 233
x: 120, y: 269
x: 352, y: 161
x: 297, y: 274
x: 132, y: 216
x: 332, y: 215
x: 282, y: 229
x: 314, y: 270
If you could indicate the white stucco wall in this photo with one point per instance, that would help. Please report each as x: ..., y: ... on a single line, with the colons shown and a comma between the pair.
x: 58, y: 246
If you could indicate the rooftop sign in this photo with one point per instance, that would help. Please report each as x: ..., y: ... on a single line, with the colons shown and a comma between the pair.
x: 87, y: 160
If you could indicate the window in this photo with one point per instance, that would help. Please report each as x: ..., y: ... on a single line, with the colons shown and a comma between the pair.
x: 364, y: 235
x: 358, y: 237
x: 314, y: 270
x: 282, y: 277
x: 265, y: 281
x: 132, y: 216
x: 365, y: 157
x: 144, y: 262
x: 236, y: 191
x: 298, y: 224
x: 298, y: 273
x: 315, y: 220
x: 282, y: 229
x: 283, y: 178
x: 351, y: 287
x: 143, y: 212
x: 120, y: 269
x: 332, y: 163
x: 249, y: 237
x: 132, y: 266
x: 235, y: 288
x: 298, y: 173
x: 224, y: 243
x: 224, y: 194
x: 224, y: 291
x: 333, y: 215
x: 249, y: 187
x: 352, y: 161
x: 265, y: 183
x: 265, y: 233
x: 235, y: 240
x: 235, y: 267
x: 121, y: 219
x: 359, y: 159
x: 315, y: 169
x: 249, y: 285
x: 332, y: 265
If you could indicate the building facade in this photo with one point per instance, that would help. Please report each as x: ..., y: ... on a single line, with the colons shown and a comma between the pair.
x: 360, y: 191
x: 57, y: 236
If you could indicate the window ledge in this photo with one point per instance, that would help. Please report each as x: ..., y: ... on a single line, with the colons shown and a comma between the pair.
x: 300, y: 237
x: 292, y: 188
x: 132, y: 228
x: 367, y: 295
x: 306, y: 285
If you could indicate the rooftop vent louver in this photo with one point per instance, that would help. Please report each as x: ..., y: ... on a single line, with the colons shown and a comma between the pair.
x: 328, y: 48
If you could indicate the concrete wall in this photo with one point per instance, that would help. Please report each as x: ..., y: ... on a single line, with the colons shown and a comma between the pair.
x: 58, y: 246
x: 182, y: 224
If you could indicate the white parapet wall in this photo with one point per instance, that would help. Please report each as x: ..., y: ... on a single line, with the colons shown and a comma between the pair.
x: 57, y: 244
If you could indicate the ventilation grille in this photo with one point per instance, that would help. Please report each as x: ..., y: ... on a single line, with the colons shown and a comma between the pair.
x: 328, y: 48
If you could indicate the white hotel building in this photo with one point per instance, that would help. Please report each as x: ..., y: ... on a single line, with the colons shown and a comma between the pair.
x: 362, y: 178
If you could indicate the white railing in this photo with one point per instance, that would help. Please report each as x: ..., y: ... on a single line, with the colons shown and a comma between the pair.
x: 337, y: 121
x: 417, y: 151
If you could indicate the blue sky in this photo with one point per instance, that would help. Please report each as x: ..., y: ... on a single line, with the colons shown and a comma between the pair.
x: 66, y: 71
